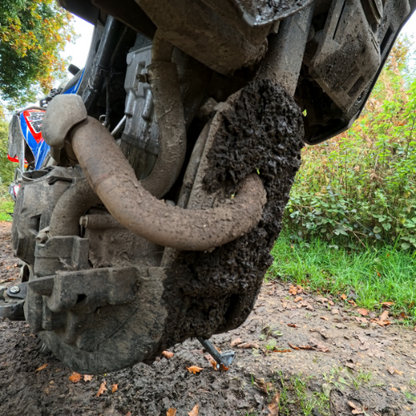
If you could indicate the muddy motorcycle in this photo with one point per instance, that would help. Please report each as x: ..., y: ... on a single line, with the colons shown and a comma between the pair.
x: 171, y: 166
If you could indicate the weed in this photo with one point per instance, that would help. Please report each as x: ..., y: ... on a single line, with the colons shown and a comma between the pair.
x: 358, y: 189
x: 294, y: 393
x: 410, y: 396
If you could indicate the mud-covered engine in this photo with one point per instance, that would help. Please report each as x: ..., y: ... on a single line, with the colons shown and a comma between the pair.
x: 83, y: 288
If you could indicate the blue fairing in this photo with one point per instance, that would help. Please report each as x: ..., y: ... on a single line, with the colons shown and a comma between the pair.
x: 74, y: 89
x: 39, y: 150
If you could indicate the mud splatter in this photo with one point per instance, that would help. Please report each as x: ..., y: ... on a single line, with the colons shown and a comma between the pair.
x: 214, y: 292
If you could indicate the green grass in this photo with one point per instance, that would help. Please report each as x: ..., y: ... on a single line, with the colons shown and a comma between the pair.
x: 6, y: 203
x: 375, y: 275
x: 6, y: 206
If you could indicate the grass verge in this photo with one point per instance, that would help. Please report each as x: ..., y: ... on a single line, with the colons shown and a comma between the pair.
x: 6, y: 207
x: 6, y: 204
x: 371, y: 275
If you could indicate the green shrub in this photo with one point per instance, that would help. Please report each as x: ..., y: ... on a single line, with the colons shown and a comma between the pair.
x: 360, y: 188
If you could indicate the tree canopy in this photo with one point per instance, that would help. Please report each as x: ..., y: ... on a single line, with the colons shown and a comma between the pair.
x: 32, y: 33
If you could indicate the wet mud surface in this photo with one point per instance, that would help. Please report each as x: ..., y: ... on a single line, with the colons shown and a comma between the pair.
x: 261, y: 134
x: 348, y: 361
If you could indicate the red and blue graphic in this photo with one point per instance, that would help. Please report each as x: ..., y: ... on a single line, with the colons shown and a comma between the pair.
x: 31, y: 125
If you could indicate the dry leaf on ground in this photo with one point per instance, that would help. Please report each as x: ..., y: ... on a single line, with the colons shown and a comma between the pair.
x: 324, y: 318
x: 194, y: 411
x: 114, y: 388
x: 356, y: 410
x: 293, y: 290
x: 194, y: 369
x: 274, y: 405
x: 41, y: 368
x: 361, y: 319
x: 102, y: 389
x: 362, y: 311
x: 387, y: 304
x: 235, y: 342
x: 167, y: 354
x: 75, y: 377
x: 298, y: 299
x: 292, y: 325
x: 248, y: 345
x: 171, y: 412
x: 224, y: 368
x: 293, y: 346
x: 343, y: 296
x: 87, y: 377
x: 384, y: 316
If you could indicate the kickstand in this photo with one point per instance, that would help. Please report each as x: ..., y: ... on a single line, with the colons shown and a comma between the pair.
x: 226, y: 358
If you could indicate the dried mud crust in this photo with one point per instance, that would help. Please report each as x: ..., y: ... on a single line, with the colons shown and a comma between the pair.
x: 209, y: 293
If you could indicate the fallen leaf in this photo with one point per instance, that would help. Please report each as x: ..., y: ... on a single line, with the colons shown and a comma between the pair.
x: 102, y: 389
x: 362, y: 311
x: 351, y: 302
x: 334, y: 311
x: 41, y: 368
x: 384, y: 316
x: 292, y: 325
x: 236, y: 341
x: 331, y: 303
x: 114, y: 388
x: 224, y: 368
x: 298, y: 299
x: 353, y: 405
x: 88, y: 378
x: 248, y: 345
x: 324, y: 318
x: 194, y: 411
x: 394, y: 389
x: 306, y: 347
x: 75, y: 377
x: 171, y: 412
x: 194, y: 369
x: 274, y: 405
x: 322, y: 348
x: 293, y: 346
x: 387, y: 304
x: 360, y: 319
x: 343, y: 296
x: 293, y: 290
x: 167, y: 354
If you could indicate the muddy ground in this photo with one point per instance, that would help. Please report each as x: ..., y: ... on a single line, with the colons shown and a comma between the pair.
x: 317, y: 353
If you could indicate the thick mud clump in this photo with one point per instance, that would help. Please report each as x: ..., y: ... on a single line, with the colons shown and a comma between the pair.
x: 214, y: 292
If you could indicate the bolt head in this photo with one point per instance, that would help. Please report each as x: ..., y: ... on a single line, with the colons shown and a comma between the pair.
x: 14, y: 289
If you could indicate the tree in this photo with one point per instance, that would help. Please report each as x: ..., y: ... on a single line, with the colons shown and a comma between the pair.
x: 32, y: 33
x: 6, y: 167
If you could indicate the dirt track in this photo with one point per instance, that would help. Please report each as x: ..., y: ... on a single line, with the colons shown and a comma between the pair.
x: 355, y: 362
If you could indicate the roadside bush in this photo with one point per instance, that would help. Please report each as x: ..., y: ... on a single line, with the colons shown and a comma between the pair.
x: 360, y: 187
